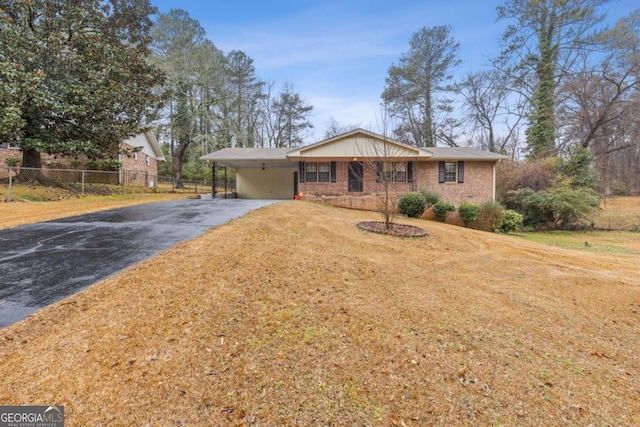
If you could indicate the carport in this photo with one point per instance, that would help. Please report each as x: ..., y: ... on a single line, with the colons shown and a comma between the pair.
x: 261, y: 173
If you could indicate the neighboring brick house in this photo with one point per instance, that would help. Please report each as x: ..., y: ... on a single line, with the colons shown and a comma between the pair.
x: 358, y: 163
x: 139, y: 169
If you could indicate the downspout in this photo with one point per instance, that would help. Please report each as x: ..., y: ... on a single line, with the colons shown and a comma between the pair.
x: 493, y: 196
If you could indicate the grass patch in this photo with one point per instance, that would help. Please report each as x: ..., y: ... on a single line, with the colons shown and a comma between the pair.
x: 619, y: 242
x: 34, y: 197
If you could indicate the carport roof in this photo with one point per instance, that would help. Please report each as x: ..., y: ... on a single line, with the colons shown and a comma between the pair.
x: 249, y: 157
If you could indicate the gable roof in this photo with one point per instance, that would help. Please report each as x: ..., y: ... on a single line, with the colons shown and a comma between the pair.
x: 358, y: 143
x: 150, y: 146
x: 462, y: 153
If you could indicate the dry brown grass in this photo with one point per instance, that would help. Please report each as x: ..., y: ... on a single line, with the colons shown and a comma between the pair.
x: 619, y: 213
x: 24, y: 212
x: 291, y: 315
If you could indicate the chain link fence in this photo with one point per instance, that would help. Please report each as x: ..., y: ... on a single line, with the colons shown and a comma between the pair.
x: 109, y: 182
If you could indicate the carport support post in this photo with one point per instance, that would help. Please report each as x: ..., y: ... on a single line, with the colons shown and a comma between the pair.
x: 213, y: 181
x: 225, y: 182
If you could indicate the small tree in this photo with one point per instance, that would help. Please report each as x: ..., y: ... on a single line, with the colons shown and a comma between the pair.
x: 12, y: 161
x: 468, y: 212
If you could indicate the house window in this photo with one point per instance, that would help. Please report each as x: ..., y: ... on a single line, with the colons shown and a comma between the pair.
x: 450, y: 172
x: 311, y: 174
x: 391, y: 172
x: 317, y: 172
x: 324, y: 172
x: 400, y: 171
x: 147, y: 160
x: 135, y: 155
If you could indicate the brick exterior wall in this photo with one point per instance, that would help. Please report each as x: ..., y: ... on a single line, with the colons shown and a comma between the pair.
x: 137, y: 172
x: 477, y: 186
x: 341, y: 186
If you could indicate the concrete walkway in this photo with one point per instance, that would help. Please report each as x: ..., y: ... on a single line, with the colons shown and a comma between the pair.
x: 45, y: 262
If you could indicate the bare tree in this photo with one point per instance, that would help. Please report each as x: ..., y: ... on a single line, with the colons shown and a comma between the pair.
x: 493, y: 112
x: 540, y: 52
x: 285, y: 117
x: 335, y: 128
x: 379, y: 159
x: 601, y: 109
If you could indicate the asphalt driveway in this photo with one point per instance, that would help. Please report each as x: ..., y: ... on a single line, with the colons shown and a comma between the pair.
x: 45, y: 262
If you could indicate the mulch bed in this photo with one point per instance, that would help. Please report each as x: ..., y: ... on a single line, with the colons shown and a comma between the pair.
x: 395, y: 229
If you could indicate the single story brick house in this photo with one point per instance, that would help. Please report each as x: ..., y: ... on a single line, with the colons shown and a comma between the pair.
x: 139, y: 169
x: 360, y: 163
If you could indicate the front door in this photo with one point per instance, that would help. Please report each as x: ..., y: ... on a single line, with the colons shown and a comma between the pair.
x: 355, y: 177
x: 295, y: 184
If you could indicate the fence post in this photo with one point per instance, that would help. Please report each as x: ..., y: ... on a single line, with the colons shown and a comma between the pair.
x: 83, y: 182
x: 10, y: 181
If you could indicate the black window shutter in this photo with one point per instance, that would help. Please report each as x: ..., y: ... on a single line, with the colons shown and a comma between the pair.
x: 440, y: 172
x: 460, y: 172
x: 301, y: 175
x: 409, y: 171
x: 379, y: 171
x: 333, y: 171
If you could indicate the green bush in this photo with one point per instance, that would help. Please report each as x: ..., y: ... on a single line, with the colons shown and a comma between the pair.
x: 431, y: 197
x: 412, y: 204
x: 511, y: 221
x: 561, y: 206
x: 468, y: 212
x: 490, y: 216
x: 13, y: 161
x: 109, y: 165
x: 442, y: 209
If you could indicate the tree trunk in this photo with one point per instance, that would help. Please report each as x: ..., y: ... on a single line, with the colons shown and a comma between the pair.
x: 177, y: 172
x: 31, y: 159
x: 31, y: 165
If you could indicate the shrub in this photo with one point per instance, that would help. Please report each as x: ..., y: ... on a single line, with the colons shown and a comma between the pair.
x: 563, y: 206
x: 579, y: 168
x: 13, y: 161
x: 442, y: 209
x: 109, y: 165
x: 431, y: 197
x: 468, y: 212
x: 412, y: 204
x: 511, y: 221
x: 490, y: 216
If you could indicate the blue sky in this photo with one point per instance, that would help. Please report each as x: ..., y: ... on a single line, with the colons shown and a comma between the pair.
x: 337, y: 52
